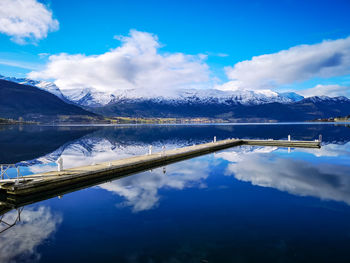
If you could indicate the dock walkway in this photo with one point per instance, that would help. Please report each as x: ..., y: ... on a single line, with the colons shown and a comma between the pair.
x: 38, y: 183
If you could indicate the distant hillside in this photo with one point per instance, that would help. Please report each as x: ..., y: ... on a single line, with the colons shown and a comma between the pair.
x: 11, y: 121
x: 306, y: 109
x: 31, y: 103
x: 90, y: 97
x: 34, y: 102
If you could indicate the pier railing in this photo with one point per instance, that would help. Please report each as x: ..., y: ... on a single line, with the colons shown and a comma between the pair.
x: 5, y: 168
x: 49, y: 181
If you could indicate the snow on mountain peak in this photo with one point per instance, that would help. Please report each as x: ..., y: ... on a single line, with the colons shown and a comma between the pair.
x: 92, y: 98
x: 89, y: 97
x: 43, y: 85
x: 327, y: 99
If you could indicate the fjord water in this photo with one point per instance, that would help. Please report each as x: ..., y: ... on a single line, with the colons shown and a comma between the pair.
x: 244, y: 204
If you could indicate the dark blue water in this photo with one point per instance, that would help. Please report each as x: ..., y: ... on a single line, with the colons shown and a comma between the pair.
x: 244, y: 204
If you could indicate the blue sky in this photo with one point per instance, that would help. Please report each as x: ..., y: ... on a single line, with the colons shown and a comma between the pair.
x: 227, y: 32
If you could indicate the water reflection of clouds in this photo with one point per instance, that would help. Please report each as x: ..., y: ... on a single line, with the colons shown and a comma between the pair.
x: 141, y: 190
x: 20, y: 242
x: 324, y: 180
x: 331, y: 150
x: 237, y: 154
x: 264, y: 166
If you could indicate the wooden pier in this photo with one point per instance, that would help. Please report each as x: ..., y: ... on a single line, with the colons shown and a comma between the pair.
x: 50, y: 182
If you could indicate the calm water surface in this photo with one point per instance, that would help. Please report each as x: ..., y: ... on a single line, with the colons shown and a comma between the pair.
x: 244, y: 204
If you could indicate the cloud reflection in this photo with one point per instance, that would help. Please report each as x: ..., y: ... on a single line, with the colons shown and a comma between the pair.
x: 331, y: 150
x: 323, y: 180
x: 20, y: 242
x: 141, y: 190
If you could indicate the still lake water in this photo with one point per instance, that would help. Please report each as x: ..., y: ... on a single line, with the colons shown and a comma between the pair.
x: 244, y: 204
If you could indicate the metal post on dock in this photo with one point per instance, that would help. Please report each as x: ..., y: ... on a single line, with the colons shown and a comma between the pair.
x: 214, y: 139
x: 17, y: 179
x: 289, y: 138
x: 150, y: 150
x: 59, y: 164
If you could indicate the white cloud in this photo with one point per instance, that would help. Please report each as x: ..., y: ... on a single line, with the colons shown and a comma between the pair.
x: 19, y: 64
x: 137, y: 66
x: 327, y: 59
x: 326, y: 90
x: 25, y: 20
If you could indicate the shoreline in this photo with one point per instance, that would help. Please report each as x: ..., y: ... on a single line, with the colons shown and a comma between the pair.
x: 174, y: 124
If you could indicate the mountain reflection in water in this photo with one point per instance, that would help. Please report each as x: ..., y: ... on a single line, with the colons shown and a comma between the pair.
x: 242, y: 204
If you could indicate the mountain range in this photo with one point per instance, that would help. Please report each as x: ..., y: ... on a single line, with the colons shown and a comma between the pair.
x: 239, y: 105
x: 89, y: 97
x: 32, y: 103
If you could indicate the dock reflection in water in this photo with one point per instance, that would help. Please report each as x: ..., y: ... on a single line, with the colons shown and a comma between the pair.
x: 244, y: 204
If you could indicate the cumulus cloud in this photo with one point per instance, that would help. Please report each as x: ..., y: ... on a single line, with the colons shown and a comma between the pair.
x: 135, y: 66
x: 327, y: 59
x: 26, y: 20
x: 326, y: 90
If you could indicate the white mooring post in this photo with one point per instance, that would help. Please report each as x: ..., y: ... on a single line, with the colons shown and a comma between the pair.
x: 59, y: 164
x: 214, y: 139
x: 18, y: 173
x: 288, y: 137
x: 320, y: 138
x: 150, y: 150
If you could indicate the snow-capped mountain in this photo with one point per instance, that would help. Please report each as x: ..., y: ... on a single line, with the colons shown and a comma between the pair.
x: 317, y: 99
x: 90, y: 97
x: 245, y: 97
x: 292, y: 95
x: 236, y: 106
x: 93, y: 98
x: 44, y: 85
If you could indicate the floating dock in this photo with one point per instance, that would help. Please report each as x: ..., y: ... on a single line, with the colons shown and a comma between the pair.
x: 51, y: 181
